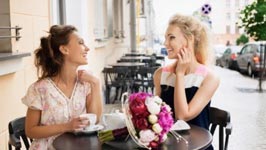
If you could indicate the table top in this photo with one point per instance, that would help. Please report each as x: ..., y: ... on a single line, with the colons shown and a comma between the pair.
x: 135, y: 54
x: 135, y: 58
x: 127, y: 64
x: 198, y: 138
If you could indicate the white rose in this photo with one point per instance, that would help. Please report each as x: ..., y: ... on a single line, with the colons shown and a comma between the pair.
x: 146, y: 136
x: 158, y: 100
x: 153, y: 107
x: 157, y: 128
x: 153, y: 119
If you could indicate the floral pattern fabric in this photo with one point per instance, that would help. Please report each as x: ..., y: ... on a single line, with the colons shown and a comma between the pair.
x: 55, y: 106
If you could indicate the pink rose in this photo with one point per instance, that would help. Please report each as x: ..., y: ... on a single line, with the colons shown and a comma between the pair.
x: 165, y: 119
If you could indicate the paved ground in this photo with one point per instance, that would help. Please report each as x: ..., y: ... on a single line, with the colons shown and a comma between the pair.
x: 238, y: 94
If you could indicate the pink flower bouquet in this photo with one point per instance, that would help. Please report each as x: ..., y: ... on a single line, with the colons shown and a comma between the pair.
x: 148, y: 119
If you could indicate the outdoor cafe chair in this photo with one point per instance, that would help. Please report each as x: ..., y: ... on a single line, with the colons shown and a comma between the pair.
x: 16, y: 129
x: 144, y: 80
x: 118, y: 78
x: 221, y: 118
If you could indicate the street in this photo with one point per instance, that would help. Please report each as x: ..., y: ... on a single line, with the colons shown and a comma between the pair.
x: 239, y: 95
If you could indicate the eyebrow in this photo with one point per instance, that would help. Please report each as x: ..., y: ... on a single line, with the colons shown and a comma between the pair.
x: 169, y: 34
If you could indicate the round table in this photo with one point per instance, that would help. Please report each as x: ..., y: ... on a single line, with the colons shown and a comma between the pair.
x: 198, y: 138
x: 127, y: 64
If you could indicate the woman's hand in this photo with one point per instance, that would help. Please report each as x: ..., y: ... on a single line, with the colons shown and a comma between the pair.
x: 183, y: 60
x: 77, y: 124
x: 84, y: 75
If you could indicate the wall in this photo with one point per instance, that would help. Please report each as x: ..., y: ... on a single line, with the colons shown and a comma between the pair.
x: 34, y: 17
x: 5, y: 44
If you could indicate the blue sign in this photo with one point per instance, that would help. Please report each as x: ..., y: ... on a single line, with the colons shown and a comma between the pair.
x: 206, y: 9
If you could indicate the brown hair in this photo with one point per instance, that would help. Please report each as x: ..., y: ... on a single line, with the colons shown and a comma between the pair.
x: 48, y: 58
x: 191, y: 27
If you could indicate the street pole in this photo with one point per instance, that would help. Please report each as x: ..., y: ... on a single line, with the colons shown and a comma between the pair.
x: 262, y: 65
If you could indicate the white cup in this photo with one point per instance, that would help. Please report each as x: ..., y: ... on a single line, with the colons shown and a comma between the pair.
x: 89, y: 116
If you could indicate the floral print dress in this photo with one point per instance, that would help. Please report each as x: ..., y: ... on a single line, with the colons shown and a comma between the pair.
x: 55, y: 106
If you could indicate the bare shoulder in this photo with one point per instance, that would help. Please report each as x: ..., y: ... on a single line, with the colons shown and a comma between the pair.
x: 212, y: 77
x: 156, y: 80
x: 157, y: 73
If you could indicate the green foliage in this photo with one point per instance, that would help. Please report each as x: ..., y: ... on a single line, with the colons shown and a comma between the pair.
x: 243, y: 39
x: 253, y: 19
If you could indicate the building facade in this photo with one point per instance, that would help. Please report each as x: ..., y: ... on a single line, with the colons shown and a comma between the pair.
x: 104, y: 24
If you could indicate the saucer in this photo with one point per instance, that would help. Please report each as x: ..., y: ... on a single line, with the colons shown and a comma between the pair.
x: 91, y: 129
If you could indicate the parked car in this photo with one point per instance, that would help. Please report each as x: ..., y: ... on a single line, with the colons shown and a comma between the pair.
x: 229, y: 56
x: 249, y: 58
x: 218, y: 50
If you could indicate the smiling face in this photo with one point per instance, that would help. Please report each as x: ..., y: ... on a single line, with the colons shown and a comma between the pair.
x: 76, y: 51
x: 174, y: 41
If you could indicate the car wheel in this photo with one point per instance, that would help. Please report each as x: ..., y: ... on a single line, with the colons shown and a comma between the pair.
x: 249, y: 70
x: 227, y: 64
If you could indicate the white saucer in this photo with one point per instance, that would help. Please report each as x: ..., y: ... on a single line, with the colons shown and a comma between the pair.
x: 94, y: 128
x: 91, y: 129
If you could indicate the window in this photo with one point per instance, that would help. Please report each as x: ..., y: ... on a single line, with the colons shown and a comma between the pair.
x: 236, y: 30
x: 246, y: 2
x: 5, y: 33
x: 99, y: 20
x: 237, y: 4
x: 228, y: 3
x: 228, y: 16
x: 58, y: 12
x: 142, y: 8
x: 103, y: 19
x: 228, y: 29
x: 244, y: 50
x: 249, y: 49
x: 109, y: 18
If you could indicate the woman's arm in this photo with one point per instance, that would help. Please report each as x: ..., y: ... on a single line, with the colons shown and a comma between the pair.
x: 183, y: 110
x: 156, y: 81
x: 35, y: 130
x: 94, y: 100
x: 202, y: 97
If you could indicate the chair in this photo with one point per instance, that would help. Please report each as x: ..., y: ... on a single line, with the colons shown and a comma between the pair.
x: 119, y: 78
x: 16, y: 129
x: 221, y: 118
x: 144, y: 80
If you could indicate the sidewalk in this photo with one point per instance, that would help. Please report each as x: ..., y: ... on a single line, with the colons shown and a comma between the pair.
x: 238, y: 94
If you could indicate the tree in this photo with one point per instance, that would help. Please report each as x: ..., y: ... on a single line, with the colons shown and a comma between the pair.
x: 253, y: 19
x: 243, y: 39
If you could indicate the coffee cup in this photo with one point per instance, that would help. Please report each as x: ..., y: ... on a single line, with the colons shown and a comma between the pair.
x: 89, y: 116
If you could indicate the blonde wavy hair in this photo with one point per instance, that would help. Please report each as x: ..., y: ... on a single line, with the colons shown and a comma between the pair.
x: 192, y: 27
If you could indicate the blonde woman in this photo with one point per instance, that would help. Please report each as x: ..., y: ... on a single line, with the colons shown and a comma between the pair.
x: 188, y: 84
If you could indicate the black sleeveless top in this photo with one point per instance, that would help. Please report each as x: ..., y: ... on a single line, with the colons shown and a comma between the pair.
x: 192, y: 83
